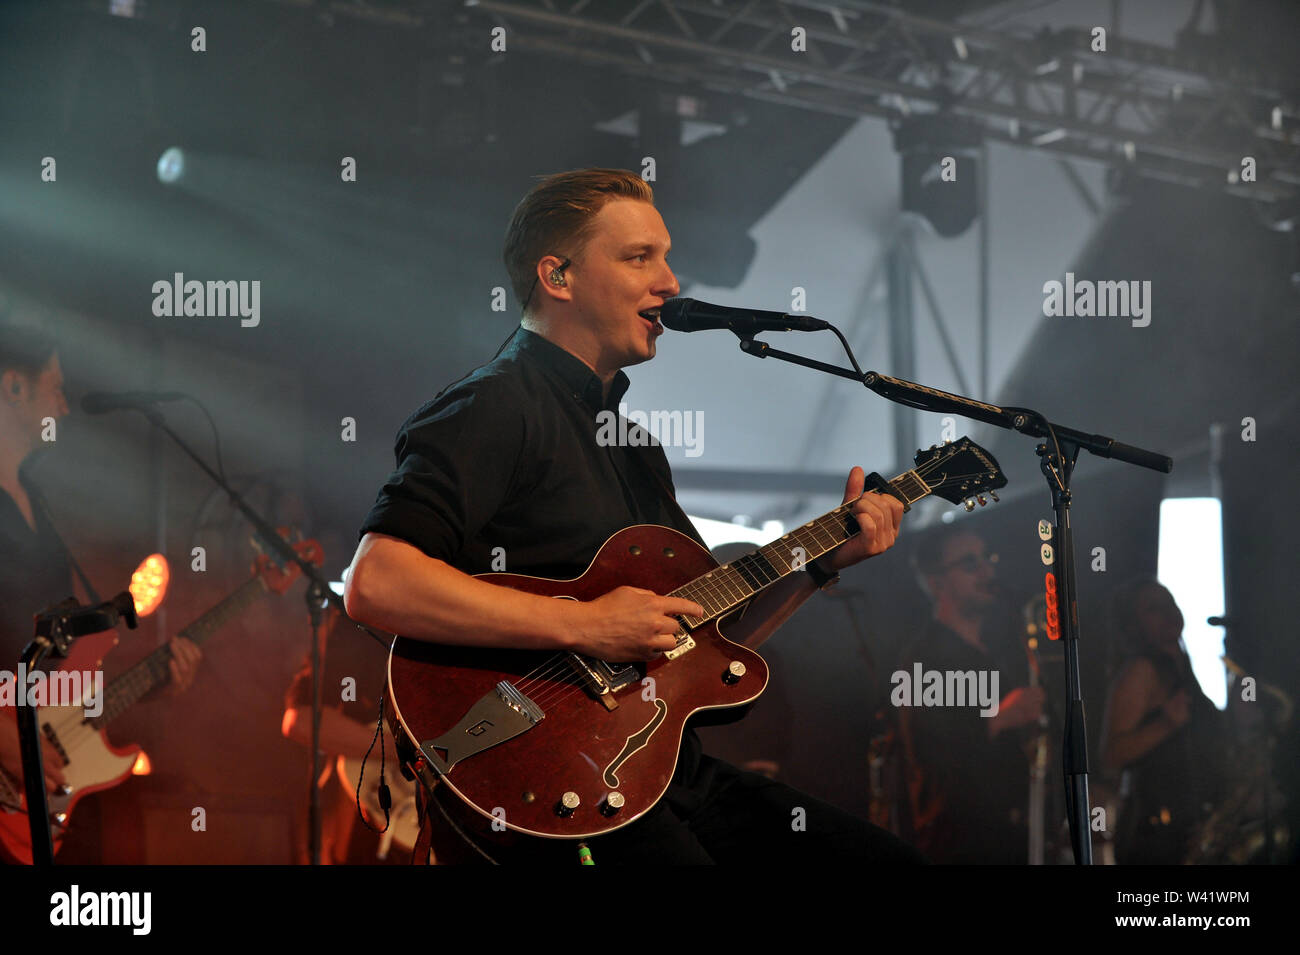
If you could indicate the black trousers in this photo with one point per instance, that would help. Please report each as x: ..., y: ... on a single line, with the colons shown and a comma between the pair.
x: 726, y: 816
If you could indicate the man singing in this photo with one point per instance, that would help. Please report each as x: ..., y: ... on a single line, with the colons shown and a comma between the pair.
x: 508, y: 457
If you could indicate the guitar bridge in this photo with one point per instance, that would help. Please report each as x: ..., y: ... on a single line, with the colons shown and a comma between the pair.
x: 685, y: 642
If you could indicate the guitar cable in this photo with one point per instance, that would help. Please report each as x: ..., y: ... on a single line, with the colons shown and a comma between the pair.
x: 385, y: 794
x: 431, y: 798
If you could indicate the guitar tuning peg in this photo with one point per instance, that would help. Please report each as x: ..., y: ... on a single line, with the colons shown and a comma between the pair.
x: 970, y: 505
x: 933, y: 446
x: 981, y: 499
x: 994, y: 495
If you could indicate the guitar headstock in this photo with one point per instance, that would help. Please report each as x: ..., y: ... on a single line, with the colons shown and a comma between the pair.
x: 961, y: 472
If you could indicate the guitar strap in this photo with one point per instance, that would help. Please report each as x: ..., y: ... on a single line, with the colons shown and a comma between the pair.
x: 676, y: 508
x: 38, y: 499
x: 662, y: 484
x: 420, y: 854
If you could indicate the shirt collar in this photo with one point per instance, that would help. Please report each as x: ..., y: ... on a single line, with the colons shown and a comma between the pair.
x: 579, y: 380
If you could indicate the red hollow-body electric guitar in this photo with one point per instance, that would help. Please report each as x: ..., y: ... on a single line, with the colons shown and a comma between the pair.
x: 562, y: 745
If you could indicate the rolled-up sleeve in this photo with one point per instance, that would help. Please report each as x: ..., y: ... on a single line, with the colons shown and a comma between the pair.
x: 457, y: 459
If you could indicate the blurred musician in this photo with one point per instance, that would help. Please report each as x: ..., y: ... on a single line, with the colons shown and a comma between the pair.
x: 1160, y: 729
x: 35, y: 566
x: 967, y: 772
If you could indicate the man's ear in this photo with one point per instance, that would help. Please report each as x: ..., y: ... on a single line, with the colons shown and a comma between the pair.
x: 553, y: 277
x: 13, y: 385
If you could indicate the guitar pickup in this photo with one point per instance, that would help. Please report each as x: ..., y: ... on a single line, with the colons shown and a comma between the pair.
x: 604, y: 678
x: 618, y: 675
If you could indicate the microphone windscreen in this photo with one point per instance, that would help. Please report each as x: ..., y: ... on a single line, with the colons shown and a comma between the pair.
x: 673, y: 314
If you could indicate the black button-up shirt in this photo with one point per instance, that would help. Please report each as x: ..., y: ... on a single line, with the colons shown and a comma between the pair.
x: 509, y: 458
x: 34, y: 574
x: 973, y: 790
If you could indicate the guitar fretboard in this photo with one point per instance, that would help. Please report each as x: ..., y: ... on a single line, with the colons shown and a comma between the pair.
x: 730, y: 585
x: 153, y: 670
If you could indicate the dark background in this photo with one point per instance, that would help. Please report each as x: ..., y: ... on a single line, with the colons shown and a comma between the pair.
x: 376, y: 293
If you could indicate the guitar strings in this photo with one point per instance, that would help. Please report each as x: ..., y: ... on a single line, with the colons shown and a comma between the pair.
x: 66, y: 722
x: 704, y: 586
x: 561, y: 680
x: 551, y: 695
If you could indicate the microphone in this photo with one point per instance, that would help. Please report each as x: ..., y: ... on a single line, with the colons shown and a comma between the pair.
x: 102, y: 402
x: 689, y: 315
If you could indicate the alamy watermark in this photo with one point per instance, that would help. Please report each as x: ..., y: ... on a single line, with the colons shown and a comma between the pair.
x: 1088, y: 299
x: 194, y: 299
x: 133, y: 910
x: 924, y: 687
x: 676, y: 429
x: 84, y: 688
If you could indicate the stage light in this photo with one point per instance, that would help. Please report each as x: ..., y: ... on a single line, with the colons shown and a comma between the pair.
x: 171, y: 166
x: 923, y: 143
x: 149, y: 584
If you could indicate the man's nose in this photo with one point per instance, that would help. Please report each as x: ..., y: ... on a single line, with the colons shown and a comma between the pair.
x: 668, y: 284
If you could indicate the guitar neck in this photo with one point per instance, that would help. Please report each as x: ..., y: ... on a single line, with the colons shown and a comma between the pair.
x: 730, y: 585
x: 153, y: 670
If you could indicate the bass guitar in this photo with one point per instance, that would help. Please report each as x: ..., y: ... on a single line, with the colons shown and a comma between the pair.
x: 91, y: 762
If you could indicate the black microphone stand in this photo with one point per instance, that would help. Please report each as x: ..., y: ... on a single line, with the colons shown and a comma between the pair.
x: 318, y: 592
x: 1057, y: 455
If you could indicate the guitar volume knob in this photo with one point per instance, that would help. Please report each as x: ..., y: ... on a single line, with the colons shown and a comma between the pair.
x: 735, y: 670
x: 567, y: 804
x: 613, y: 803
